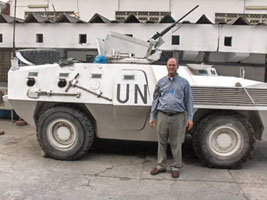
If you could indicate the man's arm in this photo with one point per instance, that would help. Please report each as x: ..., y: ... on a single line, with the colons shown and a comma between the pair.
x: 189, y: 103
x: 154, y: 110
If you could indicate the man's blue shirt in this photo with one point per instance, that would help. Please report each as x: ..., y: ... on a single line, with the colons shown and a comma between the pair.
x: 172, y: 95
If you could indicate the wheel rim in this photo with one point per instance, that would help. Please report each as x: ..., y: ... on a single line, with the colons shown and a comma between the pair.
x: 62, y: 134
x: 225, y: 141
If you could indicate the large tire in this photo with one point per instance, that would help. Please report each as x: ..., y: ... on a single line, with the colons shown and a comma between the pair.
x: 223, y: 140
x: 65, y: 133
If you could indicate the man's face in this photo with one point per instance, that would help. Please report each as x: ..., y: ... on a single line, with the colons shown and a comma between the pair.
x: 172, y: 67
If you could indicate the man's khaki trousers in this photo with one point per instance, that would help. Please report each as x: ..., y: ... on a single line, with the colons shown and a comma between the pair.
x: 172, y: 128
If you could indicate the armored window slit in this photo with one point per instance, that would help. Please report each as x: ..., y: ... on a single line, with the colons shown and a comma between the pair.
x: 34, y: 74
x: 96, y: 76
x: 63, y: 75
x: 128, y: 77
x: 130, y: 35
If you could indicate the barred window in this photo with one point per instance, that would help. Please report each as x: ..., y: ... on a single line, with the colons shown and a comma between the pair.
x: 51, y: 15
x: 142, y: 16
x: 252, y: 18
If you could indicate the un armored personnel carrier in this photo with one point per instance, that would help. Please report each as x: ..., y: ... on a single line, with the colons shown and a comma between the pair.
x: 70, y: 104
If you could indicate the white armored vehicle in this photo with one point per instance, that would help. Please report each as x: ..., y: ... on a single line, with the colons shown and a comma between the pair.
x: 71, y: 104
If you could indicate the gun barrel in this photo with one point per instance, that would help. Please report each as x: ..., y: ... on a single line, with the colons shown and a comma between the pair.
x: 166, y: 30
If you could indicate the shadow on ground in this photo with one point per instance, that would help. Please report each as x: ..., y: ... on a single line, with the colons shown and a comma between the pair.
x: 141, y: 149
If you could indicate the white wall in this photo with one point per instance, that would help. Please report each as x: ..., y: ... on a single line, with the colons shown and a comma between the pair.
x: 245, y: 39
x: 193, y: 37
x: 144, y: 5
x: 107, y: 8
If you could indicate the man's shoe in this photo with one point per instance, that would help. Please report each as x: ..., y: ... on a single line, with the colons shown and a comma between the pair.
x: 175, y: 174
x: 156, y: 171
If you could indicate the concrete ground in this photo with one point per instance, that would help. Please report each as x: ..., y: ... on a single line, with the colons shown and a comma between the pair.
x: 119, y: 170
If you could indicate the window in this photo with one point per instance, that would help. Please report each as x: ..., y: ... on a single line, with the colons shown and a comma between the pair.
x: 39, y: 38
x: 1, y: 37
x: 252, y: 18
x: 228, y: 41
x: 142, y: 16
x: 82, y: 38
x: 51, y: 15
x: 176, y: 40
x: 64, y: 75
x: 35, y: 74
x: 130, y: 35
x: 128, y: 77
x: 96, y: 76
x: 203, y: 71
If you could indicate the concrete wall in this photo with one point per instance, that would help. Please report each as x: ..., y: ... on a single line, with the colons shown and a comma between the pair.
x: 198, y: 42
x: 244, y: 38
x: 107, y: 8
x: 193, y: 37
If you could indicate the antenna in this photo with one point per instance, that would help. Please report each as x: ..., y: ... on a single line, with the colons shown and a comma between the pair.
x: 14, y: 30
x: 14, y: 60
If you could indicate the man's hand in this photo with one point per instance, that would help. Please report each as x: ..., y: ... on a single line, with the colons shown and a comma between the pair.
x: 151, y: 123
x: 189, y: 125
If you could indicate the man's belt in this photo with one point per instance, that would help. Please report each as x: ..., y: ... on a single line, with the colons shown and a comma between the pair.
x: 170, y: 114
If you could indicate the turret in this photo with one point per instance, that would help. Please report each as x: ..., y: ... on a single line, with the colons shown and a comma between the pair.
x: 119, y: 48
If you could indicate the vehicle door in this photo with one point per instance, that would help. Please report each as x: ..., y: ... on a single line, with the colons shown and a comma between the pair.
x: 131, y: 99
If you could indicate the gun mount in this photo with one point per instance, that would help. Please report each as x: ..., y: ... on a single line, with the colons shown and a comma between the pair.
x: 121, y: 48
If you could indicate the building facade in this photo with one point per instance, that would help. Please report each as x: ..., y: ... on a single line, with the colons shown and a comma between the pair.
x: 221, y: 33
x: 146, y: 9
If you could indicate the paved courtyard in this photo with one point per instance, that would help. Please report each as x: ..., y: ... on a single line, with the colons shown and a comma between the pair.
x: 119, y: 170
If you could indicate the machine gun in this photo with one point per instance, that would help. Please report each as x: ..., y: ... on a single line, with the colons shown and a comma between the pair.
x: 124, y: 49
x: 166, y: 30
x: 156, y: 40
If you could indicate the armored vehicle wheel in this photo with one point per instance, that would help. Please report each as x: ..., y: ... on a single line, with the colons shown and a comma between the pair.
x: 223, y: 140
x: 65, y: 133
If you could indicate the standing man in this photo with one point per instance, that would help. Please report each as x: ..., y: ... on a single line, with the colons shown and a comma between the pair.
x: 172, y: 99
